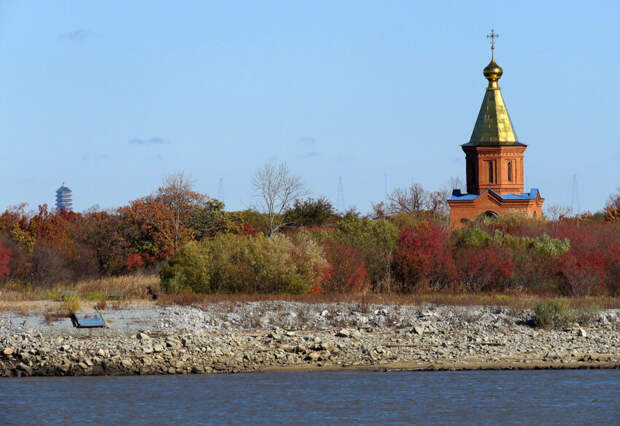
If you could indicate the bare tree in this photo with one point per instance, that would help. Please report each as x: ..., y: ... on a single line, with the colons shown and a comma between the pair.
x: 277, y: 189
x: 437, y: 202
x: 408, y: 200
x: 379, y: 210
x: 455, y: 183
x: 412, y: 200
x: 556, y: 212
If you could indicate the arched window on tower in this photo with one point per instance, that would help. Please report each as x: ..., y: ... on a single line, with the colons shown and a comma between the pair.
x: 510, y: 171
x: 490, y: 171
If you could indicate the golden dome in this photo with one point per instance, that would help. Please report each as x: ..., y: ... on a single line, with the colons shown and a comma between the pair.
x: 492, y: 72
x: 493, y: 126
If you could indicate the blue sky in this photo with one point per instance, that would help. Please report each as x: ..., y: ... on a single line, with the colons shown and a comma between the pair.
x: 112, y: 96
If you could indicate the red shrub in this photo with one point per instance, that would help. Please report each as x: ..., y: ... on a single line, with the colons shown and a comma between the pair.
x: 612, y: 270
x: 422, y: 258
x: 5, y: 259
x: 134, y: 262
x: 14, y: 261
x: 486, y: 268
x: 247, y: 229
x: 347, y: 269
x: 581, y: 275
x: 592, y: 262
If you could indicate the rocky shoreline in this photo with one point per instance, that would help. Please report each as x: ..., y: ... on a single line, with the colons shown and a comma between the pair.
x: 260, y: 336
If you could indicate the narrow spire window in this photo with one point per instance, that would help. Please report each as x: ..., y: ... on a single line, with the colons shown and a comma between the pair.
x: 510, y: 171
x: 491, y: 180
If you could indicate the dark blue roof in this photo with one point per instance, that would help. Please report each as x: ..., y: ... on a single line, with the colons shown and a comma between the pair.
x: 458, y: 196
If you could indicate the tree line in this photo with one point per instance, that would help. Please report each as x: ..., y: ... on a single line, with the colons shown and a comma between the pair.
x: 290, y: 243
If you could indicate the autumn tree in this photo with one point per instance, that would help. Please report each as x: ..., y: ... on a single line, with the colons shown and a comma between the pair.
x: 277, y: 189
x: 612, y: 208
x: 210, y: 219
x: 103, y: 232
x: 176, y: 193
x: 147, y: 225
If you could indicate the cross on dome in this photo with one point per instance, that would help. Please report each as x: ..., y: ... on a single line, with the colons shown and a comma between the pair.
x: 492, y: 35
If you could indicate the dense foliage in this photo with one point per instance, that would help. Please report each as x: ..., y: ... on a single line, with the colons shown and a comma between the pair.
x: 200, y: 247
x: 246, y: 264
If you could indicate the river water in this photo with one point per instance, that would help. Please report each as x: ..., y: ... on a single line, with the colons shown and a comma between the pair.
x: 330, y: 397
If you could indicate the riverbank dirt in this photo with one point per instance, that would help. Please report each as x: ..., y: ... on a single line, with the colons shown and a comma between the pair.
x: 230, y: 337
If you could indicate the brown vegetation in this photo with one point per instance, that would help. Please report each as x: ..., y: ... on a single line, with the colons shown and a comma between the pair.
x: 517, y: 302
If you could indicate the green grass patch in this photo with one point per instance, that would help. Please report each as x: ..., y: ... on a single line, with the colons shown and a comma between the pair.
x: 95, y: 295
x: 557, y: 313
x: 53, y: 295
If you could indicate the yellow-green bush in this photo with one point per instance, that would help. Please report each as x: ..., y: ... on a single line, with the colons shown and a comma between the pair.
x: 187, y: 270
x: 70, y: 305
x: 232, y: 263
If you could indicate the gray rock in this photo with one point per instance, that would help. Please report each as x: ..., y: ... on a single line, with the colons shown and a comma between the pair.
x: 343, y: 333
x: 23, y: 367
x: 356, y: 334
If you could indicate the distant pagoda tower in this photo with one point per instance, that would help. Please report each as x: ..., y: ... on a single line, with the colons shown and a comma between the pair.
x: 63, y: 198
x: 494, y: 162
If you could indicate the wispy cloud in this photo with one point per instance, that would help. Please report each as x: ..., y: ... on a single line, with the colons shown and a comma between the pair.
x: 155, y: 140
x: 75, y: 35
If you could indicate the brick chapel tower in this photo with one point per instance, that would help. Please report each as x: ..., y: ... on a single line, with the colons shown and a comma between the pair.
x: 494, y: 161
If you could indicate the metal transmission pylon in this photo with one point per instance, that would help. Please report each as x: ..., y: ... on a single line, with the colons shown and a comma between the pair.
x: 340, y: 196
x: 220, y: 191
x: 575, y: 205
